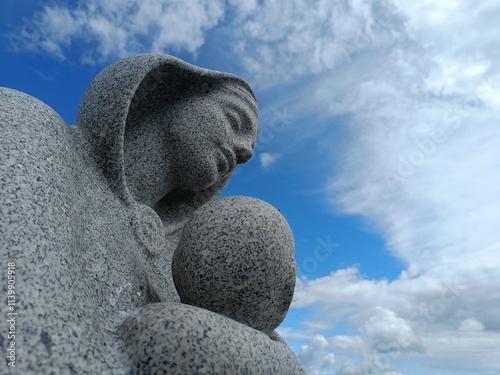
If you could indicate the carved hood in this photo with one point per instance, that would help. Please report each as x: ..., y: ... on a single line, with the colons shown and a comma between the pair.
x: 126, y: 91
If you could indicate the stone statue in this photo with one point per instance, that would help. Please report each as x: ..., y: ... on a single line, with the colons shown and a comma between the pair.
x: 92, y: 214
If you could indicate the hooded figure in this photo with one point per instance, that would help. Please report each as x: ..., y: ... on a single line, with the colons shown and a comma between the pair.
x: 91, y: 214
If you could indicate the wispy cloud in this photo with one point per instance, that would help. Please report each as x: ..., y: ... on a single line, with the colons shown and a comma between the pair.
x: 280, y: 41
x: 101, y: 30
x: 276, y: 41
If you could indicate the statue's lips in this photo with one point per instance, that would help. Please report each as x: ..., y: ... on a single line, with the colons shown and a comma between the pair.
x: 227, y: 160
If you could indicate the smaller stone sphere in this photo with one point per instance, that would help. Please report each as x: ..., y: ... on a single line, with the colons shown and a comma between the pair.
x: 235, y: 257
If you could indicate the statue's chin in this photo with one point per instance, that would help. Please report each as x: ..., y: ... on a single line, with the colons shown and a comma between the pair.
x: 204, y: 182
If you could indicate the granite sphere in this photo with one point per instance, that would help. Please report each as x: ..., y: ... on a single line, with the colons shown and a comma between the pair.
x: 235, y: 257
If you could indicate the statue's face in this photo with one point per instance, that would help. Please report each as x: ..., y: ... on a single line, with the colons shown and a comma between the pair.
x: 208, y: 137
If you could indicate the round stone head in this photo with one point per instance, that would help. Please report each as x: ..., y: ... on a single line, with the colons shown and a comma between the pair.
x: 236, y: 257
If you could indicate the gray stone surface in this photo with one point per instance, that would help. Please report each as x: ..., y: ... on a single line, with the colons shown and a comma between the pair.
x: 91, y: 215
x: 174, y: 338
x: 236, y: 257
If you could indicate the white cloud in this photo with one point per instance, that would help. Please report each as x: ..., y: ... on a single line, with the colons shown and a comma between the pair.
x: 105, y: 30
x: 386, y: 332
x: 315, y: 353
x: 244, y: 8
x: 274, y: 40
x: 471, y: 325
x: 347, y: 342
x: 281, y: 41
x: 267, y: 159
x: 420, y: 166
x: 348, y: 368
x: 420, y: 314
x: 329, y: 360
x: 463, y: 352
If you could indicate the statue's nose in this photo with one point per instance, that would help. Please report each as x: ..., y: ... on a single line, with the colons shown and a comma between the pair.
x: 243, y: 154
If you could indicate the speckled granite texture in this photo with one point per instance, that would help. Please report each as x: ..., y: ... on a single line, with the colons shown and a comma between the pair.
x: 174, y: 338
x: 91, y: 214
x: 236, y: 258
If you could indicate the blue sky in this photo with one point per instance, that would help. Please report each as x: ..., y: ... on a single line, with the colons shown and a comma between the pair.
x: 379, y: 142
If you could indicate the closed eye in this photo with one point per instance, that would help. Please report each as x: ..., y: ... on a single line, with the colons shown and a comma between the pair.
x: 241, y: 119
x: 233, y: 118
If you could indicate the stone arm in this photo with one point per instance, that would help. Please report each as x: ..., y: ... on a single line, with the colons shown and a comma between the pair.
x: 174, y: 338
